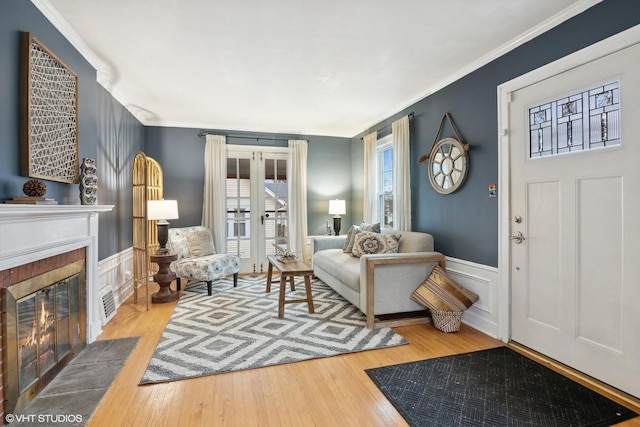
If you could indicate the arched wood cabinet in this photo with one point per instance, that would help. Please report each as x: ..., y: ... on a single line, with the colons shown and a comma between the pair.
x: 147, y: 185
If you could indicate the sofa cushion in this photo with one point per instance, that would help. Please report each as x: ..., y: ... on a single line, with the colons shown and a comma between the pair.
x: 208, y: 267
x: 343, y: 267
x: 365, y: 226
x: 440, y: 292
x: 351, y: 235
x: 413, y: 241
x: 201, y: 243
x: 366, y: 243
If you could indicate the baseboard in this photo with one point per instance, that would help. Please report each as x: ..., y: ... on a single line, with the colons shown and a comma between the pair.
x: 116, y: 272
x: 483, y: 280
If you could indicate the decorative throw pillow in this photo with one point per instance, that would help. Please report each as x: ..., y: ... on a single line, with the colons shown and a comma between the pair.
x: 366, y: 243
x: 365, y: 226
x: 201, y: 243
x: 440, y: 292
x: 351, y: 235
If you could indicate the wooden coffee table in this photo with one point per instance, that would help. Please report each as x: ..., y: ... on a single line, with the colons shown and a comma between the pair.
x: 289, y: 270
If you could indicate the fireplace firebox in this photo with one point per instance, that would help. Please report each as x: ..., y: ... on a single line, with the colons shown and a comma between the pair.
x: 44, y: 328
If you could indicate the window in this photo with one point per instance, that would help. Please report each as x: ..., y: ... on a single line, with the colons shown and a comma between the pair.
x: 583, y: 121
x: 385, y: 181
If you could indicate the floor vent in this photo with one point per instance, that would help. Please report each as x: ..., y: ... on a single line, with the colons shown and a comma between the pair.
x: 108, y: 304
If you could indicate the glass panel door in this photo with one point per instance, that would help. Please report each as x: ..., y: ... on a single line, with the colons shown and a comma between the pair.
x: 275, y: 204
x: 257, y: 208
x: 239, y: 209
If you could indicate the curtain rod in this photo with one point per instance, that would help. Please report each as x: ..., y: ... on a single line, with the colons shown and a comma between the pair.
x: 257, y: 138
x: 410, y: 115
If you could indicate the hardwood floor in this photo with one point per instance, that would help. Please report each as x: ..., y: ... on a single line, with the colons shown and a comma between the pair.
x: 333, y: 391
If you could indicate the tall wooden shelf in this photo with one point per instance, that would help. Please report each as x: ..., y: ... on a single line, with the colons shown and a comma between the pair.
x: 147, y: 185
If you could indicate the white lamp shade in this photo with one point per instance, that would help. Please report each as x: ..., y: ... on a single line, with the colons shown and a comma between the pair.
x: 162, y: 209
x: 337, y: 207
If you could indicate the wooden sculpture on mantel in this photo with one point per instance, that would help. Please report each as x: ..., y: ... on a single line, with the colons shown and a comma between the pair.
x: 147, y: 185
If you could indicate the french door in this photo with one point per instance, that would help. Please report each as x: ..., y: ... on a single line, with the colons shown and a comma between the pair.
x: 257, y: 205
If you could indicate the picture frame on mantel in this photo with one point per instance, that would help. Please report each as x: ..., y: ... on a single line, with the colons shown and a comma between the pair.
x: 48, y: 114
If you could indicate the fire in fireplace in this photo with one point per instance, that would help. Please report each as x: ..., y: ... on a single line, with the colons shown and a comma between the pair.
x: 45, y: 326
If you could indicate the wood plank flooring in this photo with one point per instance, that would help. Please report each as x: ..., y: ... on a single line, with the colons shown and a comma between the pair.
x: 333, y: 391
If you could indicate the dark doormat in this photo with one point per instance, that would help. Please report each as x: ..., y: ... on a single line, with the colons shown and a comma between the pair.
x: 496, y: 387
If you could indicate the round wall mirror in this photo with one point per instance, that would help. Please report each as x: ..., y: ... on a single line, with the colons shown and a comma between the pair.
x: 447, y: 165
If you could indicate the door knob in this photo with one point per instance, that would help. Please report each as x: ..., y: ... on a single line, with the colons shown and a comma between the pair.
x: 517, y: 237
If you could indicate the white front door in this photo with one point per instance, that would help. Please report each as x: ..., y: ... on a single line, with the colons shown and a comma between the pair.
x: 575, y: 202
x: 257, y: 214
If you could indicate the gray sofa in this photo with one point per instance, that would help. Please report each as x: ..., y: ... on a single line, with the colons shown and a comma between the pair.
x: 379, y: 284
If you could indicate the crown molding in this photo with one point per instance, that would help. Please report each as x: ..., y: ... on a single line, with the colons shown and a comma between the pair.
x: 541, y: 28
x: 104, y: 73
x: 61, y: 25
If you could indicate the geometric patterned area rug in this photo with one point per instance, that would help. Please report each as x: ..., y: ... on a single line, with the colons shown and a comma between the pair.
x: 496, y: 387
x: 238, y: 328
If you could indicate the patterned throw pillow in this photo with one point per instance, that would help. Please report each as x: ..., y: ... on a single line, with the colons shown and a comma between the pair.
x: 366, y: 243
x: 351, y: 236
x: 440, y: 292
x: 201, y: 243
x: 365, y: 226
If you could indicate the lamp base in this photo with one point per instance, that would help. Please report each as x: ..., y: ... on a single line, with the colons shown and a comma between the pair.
x: 336, y: 224
x: 163, y: 237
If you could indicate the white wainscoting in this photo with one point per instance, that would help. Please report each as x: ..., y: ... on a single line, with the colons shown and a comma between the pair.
x: 483, y: 280
x: 116, y: 271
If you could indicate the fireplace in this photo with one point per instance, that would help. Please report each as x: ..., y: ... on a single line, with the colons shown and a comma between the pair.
x: 43, y: 329
x: 38, y: 239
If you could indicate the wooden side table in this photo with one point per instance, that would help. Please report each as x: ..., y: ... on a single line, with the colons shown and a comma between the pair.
x: 164, y: 277
x: 290, y: 270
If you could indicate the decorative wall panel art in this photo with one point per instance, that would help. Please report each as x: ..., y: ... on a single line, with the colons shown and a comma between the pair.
x: 48, y: 114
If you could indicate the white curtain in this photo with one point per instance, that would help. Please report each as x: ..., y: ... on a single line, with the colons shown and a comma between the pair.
x: 370, y: 209
x: 297, y: 195
x: 401, y: 175
x: 214, y: 200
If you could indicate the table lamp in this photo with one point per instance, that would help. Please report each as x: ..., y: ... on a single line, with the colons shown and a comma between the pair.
x: 336, y: 208
x: 162, y: 210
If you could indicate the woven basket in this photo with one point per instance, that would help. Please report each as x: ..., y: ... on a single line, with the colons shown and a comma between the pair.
x: 446, y: 321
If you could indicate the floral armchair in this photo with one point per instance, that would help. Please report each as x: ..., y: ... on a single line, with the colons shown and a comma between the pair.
x: 197, y: 257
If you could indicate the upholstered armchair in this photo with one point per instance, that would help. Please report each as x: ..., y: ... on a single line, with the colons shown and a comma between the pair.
x: 197, y: 257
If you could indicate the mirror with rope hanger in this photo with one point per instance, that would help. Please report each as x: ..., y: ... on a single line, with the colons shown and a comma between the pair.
x: 448, y: 161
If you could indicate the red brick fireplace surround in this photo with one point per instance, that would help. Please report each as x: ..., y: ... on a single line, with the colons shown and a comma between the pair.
x: 37, y: 239
x: 12, y: 276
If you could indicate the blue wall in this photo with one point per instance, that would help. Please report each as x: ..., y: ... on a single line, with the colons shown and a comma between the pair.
x: 465, y: 224
x: 107, y: 132
x: 180, y: 152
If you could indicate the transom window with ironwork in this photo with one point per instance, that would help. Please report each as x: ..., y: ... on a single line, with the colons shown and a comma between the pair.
x: 584, y: 121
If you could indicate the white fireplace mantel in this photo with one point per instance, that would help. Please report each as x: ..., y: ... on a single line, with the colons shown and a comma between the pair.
x: 29, y: 233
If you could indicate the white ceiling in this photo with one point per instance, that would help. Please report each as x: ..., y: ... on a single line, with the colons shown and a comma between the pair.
x: 315, y: 67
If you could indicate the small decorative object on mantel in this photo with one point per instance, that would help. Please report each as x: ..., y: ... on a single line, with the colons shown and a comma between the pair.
x: 285, y: 255
x: 30, y: 200
x: 88, y: 182
x: 448, y: 160
x: 35, y: 191
x: 34, y: 188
